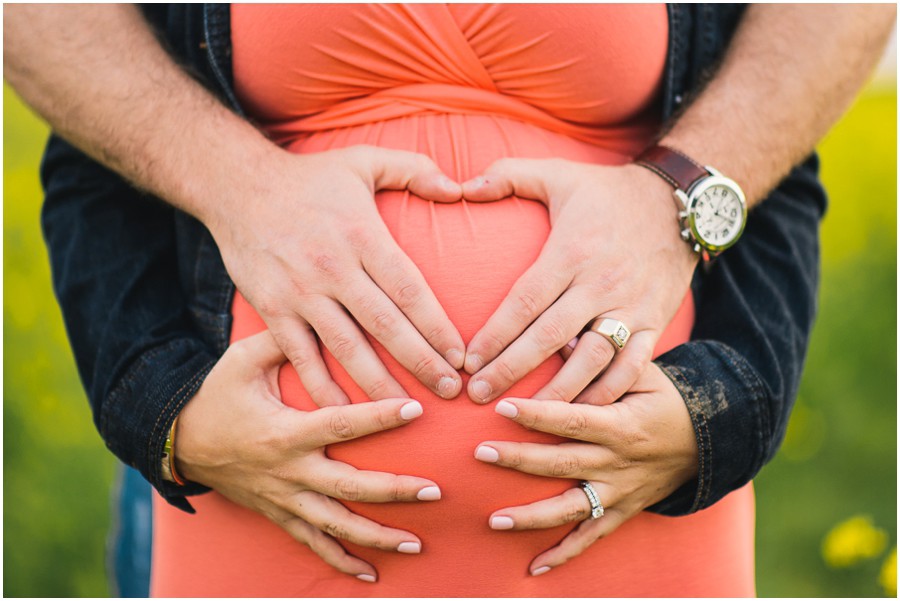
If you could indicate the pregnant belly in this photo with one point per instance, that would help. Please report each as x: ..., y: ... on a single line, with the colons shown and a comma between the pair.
x: 470, y: 255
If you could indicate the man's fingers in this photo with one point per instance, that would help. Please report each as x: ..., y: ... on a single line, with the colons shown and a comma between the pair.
x: 573, y: 545
x: 622, y: 372
x: 337, y: 521
x: 349, y: 346
x: 342, y: 481
x: 378, y: 315
x: 327, y: 548
x: 590, y: 357
x: 399, y: 169
x: 395, y: 273
x: 536, y: 289
x: 525, y: 178
x: 331, y: 425
x: 302, y: 350
x: 549, y: 333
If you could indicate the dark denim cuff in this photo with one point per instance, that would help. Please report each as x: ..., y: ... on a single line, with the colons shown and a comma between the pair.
x: 139, y: 411
x: 728, y: 404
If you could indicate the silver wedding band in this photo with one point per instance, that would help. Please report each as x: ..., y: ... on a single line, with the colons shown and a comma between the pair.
x: 613, y: 330
x: 593, y: 499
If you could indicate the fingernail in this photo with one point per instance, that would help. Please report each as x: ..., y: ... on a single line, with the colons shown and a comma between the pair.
x: 572, y: 343
x: 506, y: 409
x: 481, y: 390
x: 448, y: 387
x: 411, y: 548
x: 501, y: 522
x: 429, y: 493
x: 487, y: 454
x: 540, y: 570
x: 366, y: 577
x: 474, y: 362
x: 411, y: 410
x: 456, y: 358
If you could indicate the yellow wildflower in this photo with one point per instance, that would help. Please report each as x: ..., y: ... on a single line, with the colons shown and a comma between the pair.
x: 887, y: 578
x: 852, y: 541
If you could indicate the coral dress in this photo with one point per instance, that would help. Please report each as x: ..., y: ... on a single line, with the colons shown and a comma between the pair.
x: 466, y: 85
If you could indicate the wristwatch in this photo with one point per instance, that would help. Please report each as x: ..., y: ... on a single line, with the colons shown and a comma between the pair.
x: 713, y: 209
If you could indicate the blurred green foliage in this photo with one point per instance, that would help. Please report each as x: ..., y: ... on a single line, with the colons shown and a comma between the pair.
x: 838, y: 460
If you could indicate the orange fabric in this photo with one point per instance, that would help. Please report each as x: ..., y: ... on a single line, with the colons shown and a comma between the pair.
x: 465, y: 84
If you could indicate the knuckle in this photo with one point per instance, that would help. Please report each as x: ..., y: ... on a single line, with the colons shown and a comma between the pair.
x: 379, y: 389
x: 342, y: 346
x: 512, y: 459
x: 527, y: 304
x: 348, y: 489
x: 599, y: 352
x: 408, y: 294
x: 504, y: 372
x: 575, y: 426
x: 575, y: 255
x: 574, y: 512
x: 384, y: 324
x: 561, y: 393
x: 397, y: 491
x: 325, y: 264
x: 564, y: 465
x: 335, y: 530
x: 551, y: 334
x: 425, y: 366
x: 339, y: 426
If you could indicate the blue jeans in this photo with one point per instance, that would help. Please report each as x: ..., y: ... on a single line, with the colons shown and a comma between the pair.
x: 131, y: 535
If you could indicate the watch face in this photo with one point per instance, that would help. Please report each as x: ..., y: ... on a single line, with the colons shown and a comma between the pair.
x: 717, y: 216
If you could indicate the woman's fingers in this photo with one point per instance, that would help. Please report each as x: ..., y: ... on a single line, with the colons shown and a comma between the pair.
x: 570, y: 506
x: 325, y: 547
x: 343, y: 481
x: 584, y: 535
x: 566, y: 460
x: 387, y: 323
x: 599, y: 425
x: 331, y: 425
x: 334, y: 519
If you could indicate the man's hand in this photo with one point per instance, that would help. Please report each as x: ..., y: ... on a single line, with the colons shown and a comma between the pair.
x: 237, y: 437
x: 311, y: 254
x: 614, y: 251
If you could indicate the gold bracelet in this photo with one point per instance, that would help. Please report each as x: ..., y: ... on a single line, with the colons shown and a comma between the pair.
x: 168, y: 458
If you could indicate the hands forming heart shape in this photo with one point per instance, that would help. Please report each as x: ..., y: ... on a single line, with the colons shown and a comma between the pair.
x: 305, y: 261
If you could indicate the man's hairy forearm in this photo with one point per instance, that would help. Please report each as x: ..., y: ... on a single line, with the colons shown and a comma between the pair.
x: 789, y: 74
x: 98, y: 75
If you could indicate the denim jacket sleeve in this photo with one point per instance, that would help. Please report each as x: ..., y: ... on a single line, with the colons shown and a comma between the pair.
x: 740, y: 372
x: 112, y: 252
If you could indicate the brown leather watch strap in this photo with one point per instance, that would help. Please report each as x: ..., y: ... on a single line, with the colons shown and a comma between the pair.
x: 673, y: 166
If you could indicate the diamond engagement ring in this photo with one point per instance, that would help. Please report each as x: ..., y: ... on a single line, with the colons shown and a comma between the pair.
x: 593, y: 499
x: 613, y: 330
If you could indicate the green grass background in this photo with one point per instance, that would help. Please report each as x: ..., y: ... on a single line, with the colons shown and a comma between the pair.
x: 839, y: 458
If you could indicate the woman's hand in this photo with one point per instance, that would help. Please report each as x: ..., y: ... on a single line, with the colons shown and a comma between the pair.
x: 635, y: 453
x: 310, y: 248
x: 614, y: 251
x: 237, y: 437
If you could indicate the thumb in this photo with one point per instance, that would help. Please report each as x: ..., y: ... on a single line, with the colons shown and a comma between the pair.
x: 398, y: 170
x: 525, y: 178
x: 262, y: 349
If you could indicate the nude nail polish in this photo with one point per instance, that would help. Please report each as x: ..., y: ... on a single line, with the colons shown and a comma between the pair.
x: 507, y: 409
x: 429, y: 493
x: 502, y: 522
x: 540, y: 570
x: 410, y: 548
x: 487, y: 454
x: 411, y: 410
x: 366, y: 577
